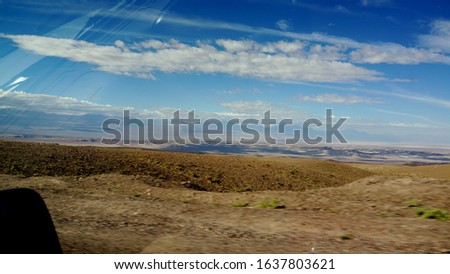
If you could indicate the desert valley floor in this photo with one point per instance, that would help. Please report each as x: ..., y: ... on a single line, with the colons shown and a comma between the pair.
x: 113, y: 200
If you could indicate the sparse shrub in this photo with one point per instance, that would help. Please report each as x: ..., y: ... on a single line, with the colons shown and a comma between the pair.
x: 346, y: 236
x: 192, y: 174
x: 273, y: 203
x: 240, y: 203
x: 411, y: 203
x: 215, y: 180
x: 433, y: 213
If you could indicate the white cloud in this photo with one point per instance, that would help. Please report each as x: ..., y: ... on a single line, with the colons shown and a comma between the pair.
x: 256, y: 109
x: 341, y: 9
x: 338, y: 99
x: 311, y: 57
x: 247, y: 106
x: 228, y: 91
x: 287, y: 47
x: 439, y: 39
x: 391, y: 53
x: 213, y: 24
x: 283, y: 24
x: 237, y: 109
x: 289, y: 62
x: 403, y: 94
x: 292, y: 47
x: 51, y: 104
x: 327, y: 52
x: 415, y: 117
x: 235, y: 45
x: 421, y: 98
x: 20, y: 100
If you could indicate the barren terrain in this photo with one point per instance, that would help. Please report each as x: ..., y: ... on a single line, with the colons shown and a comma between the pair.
x: 132, y: 201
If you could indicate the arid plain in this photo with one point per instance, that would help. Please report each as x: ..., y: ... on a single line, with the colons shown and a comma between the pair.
x: 123, y: 200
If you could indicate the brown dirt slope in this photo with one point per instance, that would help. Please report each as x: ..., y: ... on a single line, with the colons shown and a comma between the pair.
x: 109, y: 200
x: 124, y: 214
x: 440, y: 171
x: 223, y: 173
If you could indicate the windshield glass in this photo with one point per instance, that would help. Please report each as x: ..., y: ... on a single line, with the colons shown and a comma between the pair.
x: 376, y: 69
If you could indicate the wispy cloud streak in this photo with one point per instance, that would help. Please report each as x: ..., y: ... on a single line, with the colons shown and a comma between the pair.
x: 290, y: 61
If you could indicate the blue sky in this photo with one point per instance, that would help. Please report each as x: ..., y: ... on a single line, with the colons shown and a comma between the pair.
x: 384, y: 64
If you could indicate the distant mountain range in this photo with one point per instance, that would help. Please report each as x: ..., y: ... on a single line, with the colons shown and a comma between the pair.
x: 362, y: 153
